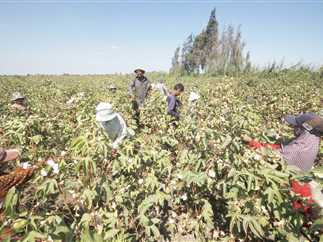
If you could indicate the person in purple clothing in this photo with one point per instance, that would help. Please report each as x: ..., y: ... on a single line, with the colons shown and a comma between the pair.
x: 172, y: 101
x: 303, y: 150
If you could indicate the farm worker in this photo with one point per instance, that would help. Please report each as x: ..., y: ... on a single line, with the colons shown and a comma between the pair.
x: 18, y: 101
x: 161, y: 88
x: 112, y: 123
x: 312, y: 197
x: 139, y: 88
x: 112, y: 88
x: 192, y: 102
x: 14, y: 178
x: 173, y: 102
x: 303, y: 150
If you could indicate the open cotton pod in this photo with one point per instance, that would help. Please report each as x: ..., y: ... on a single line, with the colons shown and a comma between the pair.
x: 193, y: 96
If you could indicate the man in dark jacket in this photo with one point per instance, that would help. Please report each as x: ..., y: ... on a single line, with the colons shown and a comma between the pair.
x: 139, y: 89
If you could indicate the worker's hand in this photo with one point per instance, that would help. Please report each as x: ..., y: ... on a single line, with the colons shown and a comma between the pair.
x: 246, y: 138
x: 12, y: 154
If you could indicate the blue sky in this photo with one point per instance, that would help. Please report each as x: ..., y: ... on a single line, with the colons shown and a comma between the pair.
x: 79, y: 36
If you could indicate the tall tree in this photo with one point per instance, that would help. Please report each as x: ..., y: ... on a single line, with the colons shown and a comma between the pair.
x: 208, y: 53
x: 212, y: 35
x: 176, y: 61
x: 236, y: 54
x: 187, y: 55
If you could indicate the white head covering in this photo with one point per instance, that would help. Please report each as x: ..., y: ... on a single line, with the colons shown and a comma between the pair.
x: 104, y: 112
x: 193, y: 96
x: 316, y: 193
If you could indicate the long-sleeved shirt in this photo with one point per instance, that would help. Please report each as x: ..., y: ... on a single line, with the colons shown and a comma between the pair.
x: 139, y: 88
x: 115, y: 129
x: 173, y: 105
x: 302, y: 151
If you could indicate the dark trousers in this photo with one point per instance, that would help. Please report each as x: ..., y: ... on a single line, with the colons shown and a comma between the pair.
x: 135, y: 108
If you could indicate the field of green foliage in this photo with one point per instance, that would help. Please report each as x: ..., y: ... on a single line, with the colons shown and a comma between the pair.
x: 198, y: 182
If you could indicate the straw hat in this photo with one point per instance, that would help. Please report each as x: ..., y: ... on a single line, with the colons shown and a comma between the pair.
x: 139, y: 70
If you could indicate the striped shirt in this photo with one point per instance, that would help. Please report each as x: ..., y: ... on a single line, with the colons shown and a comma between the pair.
x: 302, y: 151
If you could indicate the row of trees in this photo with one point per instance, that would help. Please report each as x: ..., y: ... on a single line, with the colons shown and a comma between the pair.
x: 212, y: 52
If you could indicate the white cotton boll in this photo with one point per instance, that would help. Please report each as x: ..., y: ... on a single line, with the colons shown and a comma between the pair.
x: 69, y: 102
x: 184, y: 197
x: 114, y: 205
x: 50, y: 162
x: 193, y: 96
x: 56, y: 169
x: 171, y: 221
x: 53, y: 165
x: 63, y: 153
x: 257, y: 157
x: 25, y: 165
x: 43, y: 173
x: 211, y: 173
x: 141, y: 181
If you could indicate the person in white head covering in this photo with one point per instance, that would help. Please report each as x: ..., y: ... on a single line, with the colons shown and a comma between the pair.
x: 112, y: 123
x: 161, y: 88
x: 18, y: 101
x: 112, y: 88
x: 192, y: 102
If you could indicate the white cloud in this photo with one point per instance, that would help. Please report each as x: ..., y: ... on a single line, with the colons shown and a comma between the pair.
x: 114, y: 47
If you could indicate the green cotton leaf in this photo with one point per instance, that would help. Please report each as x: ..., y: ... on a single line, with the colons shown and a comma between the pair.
x: 111, y: 233
x: 49, y: 186
x: 270, y: 193
x: 10, y: 202
x: 226, y: 143
x: 33, y: 220
x: 207, y: 214
x: 321, y: 238
x: 245, y: 223
x: 152, y: 182
x: 36, y: 139
x: 89, y: 196
x: 85, y: 220
x: 257, y: 227
x: 291, y: 238
x: 250, y: 179
x: 62, y: 229
x: 318, y: 171
x: 33, y: 236
x: 317, y: 225
x: 155, y: 231
x: 155, y: 220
